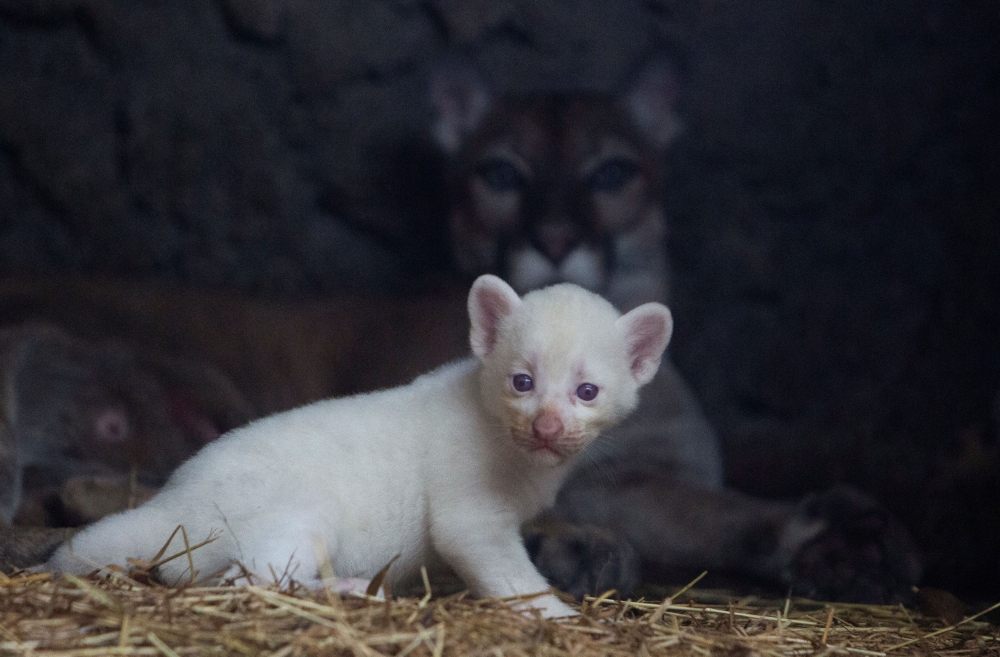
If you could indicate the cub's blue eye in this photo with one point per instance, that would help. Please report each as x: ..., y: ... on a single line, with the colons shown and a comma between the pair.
x: 522, y: 383
x: 500, y: 175
x: 611, y: 176
x: 587, y: 392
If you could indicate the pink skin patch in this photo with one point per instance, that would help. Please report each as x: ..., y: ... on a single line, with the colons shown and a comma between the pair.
x: 112, y: 425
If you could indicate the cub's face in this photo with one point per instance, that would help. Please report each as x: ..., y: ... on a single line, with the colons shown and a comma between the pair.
x: 560, y: 373
x: 550, y: 188
x: 560, y: 365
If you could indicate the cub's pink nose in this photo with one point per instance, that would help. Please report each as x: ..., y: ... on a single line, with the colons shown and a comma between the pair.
x: 547, y: 426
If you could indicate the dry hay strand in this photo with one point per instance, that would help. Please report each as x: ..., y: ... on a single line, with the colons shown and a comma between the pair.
x: 116, y: 615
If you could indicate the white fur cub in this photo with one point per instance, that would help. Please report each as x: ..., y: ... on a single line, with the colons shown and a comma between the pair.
x: 445, y: 468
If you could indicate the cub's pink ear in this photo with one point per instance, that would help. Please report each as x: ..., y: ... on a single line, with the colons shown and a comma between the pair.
x: 490, y: 301
x: 647, y: 331
x: 460, y: 98
x: 650, y: 102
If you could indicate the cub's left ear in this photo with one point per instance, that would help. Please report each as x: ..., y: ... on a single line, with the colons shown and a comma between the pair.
x: 647, y: 331
x: 490, y: 301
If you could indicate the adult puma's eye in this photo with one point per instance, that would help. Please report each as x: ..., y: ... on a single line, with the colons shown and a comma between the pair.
x: 611, y: 176
x: 500, y: 175
x: 587, y: 392
x: 522, y: 382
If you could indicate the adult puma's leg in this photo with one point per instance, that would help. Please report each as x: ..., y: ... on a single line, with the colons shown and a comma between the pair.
x: 581, y: 559
x: 836, y: 545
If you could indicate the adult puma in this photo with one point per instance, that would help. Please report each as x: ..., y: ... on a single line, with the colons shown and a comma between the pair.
x: 550, y: 187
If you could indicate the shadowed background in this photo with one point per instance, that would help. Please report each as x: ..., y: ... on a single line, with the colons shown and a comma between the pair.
x: 833, y: 202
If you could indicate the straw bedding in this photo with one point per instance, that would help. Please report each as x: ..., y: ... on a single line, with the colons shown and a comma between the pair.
x: 118, y: 615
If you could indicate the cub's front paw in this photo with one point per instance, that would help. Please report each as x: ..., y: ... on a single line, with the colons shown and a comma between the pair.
x: 861, y: 553
x: 553, y: 607
x: 582, y: 559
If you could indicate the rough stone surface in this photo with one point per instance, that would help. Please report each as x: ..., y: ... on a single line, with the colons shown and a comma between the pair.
x: 833, y: 202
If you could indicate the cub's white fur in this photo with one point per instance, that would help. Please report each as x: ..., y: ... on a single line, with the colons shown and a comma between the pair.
x: 445, y: 468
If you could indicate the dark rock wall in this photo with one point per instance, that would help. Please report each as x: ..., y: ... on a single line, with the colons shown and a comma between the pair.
x: 833, y: 203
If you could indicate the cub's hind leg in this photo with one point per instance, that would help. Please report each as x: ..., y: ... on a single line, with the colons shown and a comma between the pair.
x: 283, y: 546
x: 137, y: 534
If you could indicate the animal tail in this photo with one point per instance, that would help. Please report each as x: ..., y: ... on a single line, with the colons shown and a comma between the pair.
x: 137, y: 535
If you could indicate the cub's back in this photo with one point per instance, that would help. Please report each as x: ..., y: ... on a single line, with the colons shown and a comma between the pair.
x: 365, y: 450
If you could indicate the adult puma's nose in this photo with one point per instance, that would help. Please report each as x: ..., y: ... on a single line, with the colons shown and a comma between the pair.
x: 547, y: 425
x: 556, y: 239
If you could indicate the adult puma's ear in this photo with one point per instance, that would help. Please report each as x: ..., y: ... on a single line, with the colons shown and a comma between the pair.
x: 490, y: 301
x: 650, y: 102
x: 647, y: 331
x: 460, y: 98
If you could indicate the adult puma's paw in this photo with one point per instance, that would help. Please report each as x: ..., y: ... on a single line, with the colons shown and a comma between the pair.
x: 21, y: 547
x: 860, y: 553
x: 582, y: 559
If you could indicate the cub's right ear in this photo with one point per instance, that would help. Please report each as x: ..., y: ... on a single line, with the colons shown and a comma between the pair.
x: 460, y: 98
x: 490, y: 301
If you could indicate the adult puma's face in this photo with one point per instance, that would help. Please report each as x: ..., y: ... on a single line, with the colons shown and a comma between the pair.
x: 546, y: 184
x: 551, y: 188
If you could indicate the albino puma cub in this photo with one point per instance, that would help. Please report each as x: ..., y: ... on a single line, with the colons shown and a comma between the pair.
x: 447, y: 467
